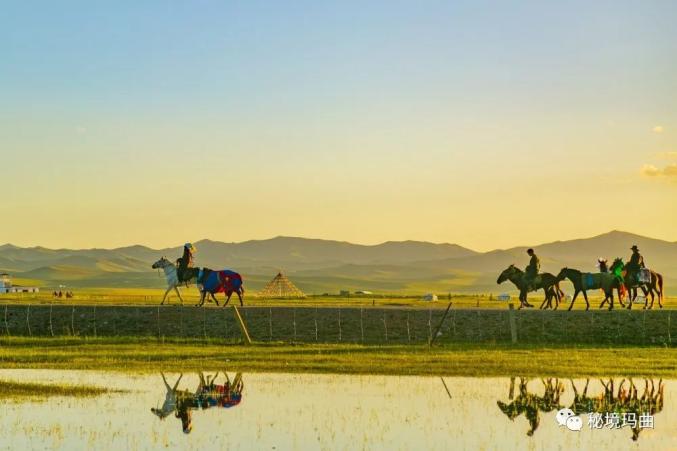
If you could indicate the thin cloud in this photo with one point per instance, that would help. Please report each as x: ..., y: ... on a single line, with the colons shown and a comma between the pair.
x: 652, y: 171
x: 667, y: 155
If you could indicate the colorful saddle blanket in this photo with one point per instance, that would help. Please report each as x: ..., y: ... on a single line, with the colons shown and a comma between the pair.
x: 644, y: 276
x: 222, y: 281
x: 588, y: 280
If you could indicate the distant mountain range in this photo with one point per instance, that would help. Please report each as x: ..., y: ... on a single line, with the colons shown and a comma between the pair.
x: 319, y: 266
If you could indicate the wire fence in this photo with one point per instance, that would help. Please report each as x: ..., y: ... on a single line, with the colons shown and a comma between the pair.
x: 343, y: 325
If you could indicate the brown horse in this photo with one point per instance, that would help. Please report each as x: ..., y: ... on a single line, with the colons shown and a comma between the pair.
x: 653, y: 288
x: 545, y: 281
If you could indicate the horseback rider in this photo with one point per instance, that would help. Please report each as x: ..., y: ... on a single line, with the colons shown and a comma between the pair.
x: 635, y: 264
x: 532, y: 269
x: 185, y: 262
x: 603, y: 264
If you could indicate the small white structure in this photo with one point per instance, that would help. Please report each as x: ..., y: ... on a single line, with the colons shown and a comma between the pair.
x: 363, y: 292
x: 430, y: 297
x: 503, y: 297
x: 6, y: 286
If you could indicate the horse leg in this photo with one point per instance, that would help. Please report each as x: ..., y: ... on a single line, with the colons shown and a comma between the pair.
x: 203, y: 294
x: 214, y: 297
x: 178, y: 293
x: 228, y: 295
x: 239, y: 295
x: 165, y: 296
x: 620, y: 299
x: 611, y: 294
x: 587, y: 304
x: 574, y: 298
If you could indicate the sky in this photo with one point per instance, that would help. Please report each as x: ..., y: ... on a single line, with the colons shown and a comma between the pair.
x: 487, y: 124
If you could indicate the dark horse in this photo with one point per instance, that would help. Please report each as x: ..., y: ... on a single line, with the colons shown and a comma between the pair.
x: 585, y: 281
x: 656, y: 285
x: 548, y: 283
x: 224, y: 281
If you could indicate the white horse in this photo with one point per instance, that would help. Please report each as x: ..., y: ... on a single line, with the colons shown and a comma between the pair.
x: 171, y: 275
x: 171, y: 400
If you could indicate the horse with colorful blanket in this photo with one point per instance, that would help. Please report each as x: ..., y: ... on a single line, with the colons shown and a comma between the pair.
x: 589, y: 281
x: 225, y: 281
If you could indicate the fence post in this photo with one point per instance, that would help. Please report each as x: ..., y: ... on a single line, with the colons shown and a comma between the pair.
x: 315, y: 323
x: 408, y: 331
x: 294, y: 321
x: 51, y: 329
x: 181, y: 321
x: 73, y: 321
x: 270, y: 323
x: 225, y: 321
x: 513, y: 324
x: 50, y: 321
x: 385, y: 325
x: 430, y: 326
x: 361, y: 325
x: 243, y: 326
x: 28, y: 323
x: 479, y: 325
x: 159, y: 333
x: 669, y: 337
x: 437, y: 331
x: 6, y: 323
x: 339, y: 323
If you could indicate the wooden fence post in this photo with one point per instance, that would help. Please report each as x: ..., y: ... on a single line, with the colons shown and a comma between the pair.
x: 243, y: 326
x: 339, y: 323
x: 73, y: 321
x: 50, y: 321
x: 6, y: 323
x: 270, y: 323
x: 51, y: 329
x: 513, y: 324
x: 315, y: 323
x: 437, y: 331
x: 294, y: 321
x: 361, y: 325
x: 408, y: 330
x: 385, y: 325
x: 28, y: 323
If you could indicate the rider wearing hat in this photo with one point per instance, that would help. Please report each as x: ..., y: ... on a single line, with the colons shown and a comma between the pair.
x: 533, y: 268
x: 635, y: 264
x: 185, y: 262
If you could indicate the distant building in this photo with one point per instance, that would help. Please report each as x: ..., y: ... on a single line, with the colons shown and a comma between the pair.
x: 344, y: 293
x: 429, y: 297
x: 503, y: 297
x: 6, y: 286
x: 363, y: 292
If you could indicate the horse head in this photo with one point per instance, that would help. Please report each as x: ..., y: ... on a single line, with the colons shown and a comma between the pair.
x: 162, y: 263
x: 505, y: 275
x: 562, y: 274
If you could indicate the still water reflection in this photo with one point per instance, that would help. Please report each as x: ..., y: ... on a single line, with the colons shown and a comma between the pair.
x: 228, y: 410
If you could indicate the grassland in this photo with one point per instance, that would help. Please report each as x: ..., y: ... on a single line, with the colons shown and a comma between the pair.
x: 12, y: 391
x: 139, y: 355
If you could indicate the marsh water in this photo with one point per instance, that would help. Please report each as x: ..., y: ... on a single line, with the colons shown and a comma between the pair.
x: 300, y: 411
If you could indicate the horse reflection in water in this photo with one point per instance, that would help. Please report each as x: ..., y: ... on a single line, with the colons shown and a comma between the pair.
x: 207, y: 395
x: 624, y: 400
x: 531, y: 404
x: 621, y: 401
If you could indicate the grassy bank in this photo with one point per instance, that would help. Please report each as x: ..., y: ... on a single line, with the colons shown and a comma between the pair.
x: 148, y: 355
x: 12, y: 391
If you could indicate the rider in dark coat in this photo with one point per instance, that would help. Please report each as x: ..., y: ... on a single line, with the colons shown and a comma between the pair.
x: 185, y: 262
x: 635, y: 264
x: 533, y: 268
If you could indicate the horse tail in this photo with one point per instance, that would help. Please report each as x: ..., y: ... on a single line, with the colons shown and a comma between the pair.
x: 660, y: 285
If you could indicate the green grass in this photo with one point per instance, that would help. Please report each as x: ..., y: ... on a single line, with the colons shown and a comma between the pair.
x: 13, y: 391
x: 148, y: 355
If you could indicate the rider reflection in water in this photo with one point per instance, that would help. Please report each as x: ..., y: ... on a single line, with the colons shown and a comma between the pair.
x: 208, y: 394
x: 626, y: 402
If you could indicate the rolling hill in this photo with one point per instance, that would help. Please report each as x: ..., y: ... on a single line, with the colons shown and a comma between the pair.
x: 319, y: 266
